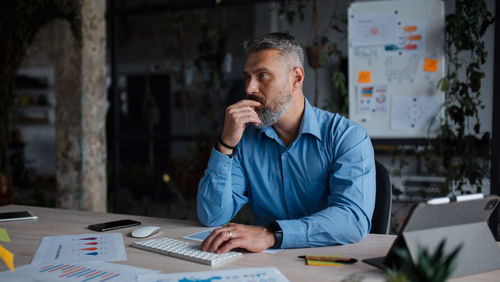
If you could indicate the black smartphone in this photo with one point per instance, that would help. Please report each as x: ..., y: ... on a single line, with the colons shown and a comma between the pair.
x: 112, y: 225
x: 19, y: 215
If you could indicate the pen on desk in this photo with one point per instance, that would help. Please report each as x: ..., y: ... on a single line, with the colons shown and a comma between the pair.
x: 330, y: 258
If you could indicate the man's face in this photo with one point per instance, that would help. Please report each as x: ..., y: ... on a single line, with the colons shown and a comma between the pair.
x: 268, y: 82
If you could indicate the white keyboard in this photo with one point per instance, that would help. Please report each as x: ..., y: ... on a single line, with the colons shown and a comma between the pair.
x: 185, y: 250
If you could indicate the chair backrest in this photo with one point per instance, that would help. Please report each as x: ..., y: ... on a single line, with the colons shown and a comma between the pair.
x: 383, y: 201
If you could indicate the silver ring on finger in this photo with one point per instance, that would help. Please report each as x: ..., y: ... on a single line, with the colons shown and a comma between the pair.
x: 230, y: 234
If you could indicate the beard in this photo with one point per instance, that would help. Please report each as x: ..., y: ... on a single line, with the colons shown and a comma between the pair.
x: 271, y: 112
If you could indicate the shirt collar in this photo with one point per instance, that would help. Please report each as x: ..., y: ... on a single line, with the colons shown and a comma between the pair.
x: 309, y: 124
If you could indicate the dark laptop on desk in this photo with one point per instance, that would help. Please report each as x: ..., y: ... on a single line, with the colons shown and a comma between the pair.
x: 460, y: 223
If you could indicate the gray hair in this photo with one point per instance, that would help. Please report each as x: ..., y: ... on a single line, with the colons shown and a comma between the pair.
x: 290, y: 50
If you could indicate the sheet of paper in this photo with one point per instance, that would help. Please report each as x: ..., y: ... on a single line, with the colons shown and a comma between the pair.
x: 200, y: 237
x: 373, y: 29
x: 414, y: 112
x: 372, y: 98
x: 241, y: 275
x: 411, y: 40
x: 7, y: 257
x: 80, y: 248
x: 4, y: 236
x: 92, y: 271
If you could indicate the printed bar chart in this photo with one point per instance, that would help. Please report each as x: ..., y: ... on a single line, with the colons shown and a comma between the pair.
x: 83, y: 273
x: 76, y: 272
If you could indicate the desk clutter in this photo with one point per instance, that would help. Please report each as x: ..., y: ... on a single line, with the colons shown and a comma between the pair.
x: 109, y: 256
x: 85, y: 257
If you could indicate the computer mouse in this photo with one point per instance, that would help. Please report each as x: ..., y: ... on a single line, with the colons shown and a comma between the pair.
x: 145, y: 231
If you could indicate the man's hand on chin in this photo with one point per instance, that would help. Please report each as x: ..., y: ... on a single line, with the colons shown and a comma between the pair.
x: 231, y: 236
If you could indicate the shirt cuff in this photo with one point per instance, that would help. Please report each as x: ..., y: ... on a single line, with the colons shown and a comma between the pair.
x: 293, y: 233
x: 219, y: 163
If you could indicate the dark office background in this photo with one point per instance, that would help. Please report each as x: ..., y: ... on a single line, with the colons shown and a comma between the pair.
x: 173, y: 66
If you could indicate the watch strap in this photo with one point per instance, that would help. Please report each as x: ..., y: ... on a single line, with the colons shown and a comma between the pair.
x: 229, y: 155
x: 275, y: 228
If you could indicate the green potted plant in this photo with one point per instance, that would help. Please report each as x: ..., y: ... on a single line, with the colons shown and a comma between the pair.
x: 429, y: 267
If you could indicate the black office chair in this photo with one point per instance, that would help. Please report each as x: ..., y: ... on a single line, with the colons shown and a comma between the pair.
x: 383, y: 201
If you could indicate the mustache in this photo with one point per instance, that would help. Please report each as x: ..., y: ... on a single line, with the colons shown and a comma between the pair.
x: 259, y: 99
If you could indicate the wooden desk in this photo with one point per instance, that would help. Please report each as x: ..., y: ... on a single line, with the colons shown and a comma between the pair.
x: 26, y: 235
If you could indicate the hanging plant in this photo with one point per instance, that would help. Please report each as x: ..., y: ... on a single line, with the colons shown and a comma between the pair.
x: 459, y: 146
x: 291, y: 9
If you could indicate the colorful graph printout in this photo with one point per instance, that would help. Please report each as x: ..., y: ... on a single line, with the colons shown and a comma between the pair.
x: 411, y: 40
x: 240, y: 275
x: 92, y: 272
x: 80, y: 248
x: 372, y: 98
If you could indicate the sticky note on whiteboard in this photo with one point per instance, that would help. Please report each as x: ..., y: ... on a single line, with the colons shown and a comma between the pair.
x: 431, y: 65
x: 365, y: 77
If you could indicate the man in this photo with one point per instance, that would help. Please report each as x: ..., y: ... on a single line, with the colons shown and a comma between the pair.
x: 307, y: 174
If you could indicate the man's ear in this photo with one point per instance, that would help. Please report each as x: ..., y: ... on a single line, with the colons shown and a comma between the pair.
x: 298, y: 77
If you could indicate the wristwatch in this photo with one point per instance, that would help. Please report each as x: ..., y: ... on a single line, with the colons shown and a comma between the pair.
x: 275, y: 228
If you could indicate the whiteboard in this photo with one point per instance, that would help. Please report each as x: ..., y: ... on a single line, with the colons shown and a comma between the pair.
x: 396, y: 58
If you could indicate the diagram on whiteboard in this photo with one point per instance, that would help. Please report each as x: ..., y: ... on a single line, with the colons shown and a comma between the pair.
x: 367, y: 53
x: 373, y: 29
x: 415, y: 112
x: 401, y: 73
x: 411, y: 40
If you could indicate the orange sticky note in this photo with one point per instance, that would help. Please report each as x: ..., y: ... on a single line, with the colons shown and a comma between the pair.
x: 431, y: 65
x: 7, y: 257
x: 365, y: 77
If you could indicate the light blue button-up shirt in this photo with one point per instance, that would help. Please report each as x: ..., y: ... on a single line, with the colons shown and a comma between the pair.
x: 320, y: 189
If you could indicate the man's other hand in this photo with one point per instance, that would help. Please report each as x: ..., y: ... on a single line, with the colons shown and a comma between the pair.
x: 231, y: 236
